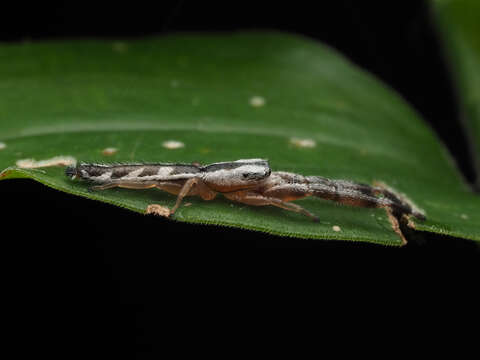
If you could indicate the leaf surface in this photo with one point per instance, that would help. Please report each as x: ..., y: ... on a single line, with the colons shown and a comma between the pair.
x: 458, y: 22
x: 228, y: 97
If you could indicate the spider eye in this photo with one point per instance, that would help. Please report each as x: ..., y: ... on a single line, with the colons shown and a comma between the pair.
x: 245, y: 175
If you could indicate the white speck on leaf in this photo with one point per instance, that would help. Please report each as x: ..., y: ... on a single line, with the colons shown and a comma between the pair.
x: 464, y: 216
x: 173, y: 144
x: 174, y: 83
x: 303, y: 143
x: 336, y: 228
x: 2, y: 145
x: 257, y: 101
x: 55, y: 161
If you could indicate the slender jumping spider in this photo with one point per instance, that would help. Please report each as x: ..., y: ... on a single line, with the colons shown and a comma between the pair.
x: 248, y: 181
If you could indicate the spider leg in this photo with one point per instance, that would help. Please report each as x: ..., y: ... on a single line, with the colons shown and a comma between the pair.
x: 395, y: 225
x: 382, y: 189
x: 193, y: 186
x: 126, y: 185
x: 257, y: 199
x: 289, y: 186
x: 356, y: 194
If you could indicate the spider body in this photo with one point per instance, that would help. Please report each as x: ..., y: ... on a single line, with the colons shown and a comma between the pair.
x: 248, y: 181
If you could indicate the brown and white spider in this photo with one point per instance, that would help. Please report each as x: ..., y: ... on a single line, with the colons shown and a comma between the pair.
x: 248, y: 181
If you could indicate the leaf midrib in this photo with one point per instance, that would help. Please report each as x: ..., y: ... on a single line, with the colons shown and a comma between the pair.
x: 283, y: 133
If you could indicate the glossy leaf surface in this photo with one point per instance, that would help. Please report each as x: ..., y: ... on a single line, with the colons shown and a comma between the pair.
x: 228, y: 97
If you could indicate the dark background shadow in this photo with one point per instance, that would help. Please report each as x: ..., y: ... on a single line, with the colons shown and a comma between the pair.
x: 104, y: 280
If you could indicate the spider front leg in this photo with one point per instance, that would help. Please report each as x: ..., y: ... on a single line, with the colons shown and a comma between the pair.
x: 193, y: 186
x: 257, y: 199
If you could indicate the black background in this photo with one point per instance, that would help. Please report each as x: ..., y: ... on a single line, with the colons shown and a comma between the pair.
x: 87, y: 277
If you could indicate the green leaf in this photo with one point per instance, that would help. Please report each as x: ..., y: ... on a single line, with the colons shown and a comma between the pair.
x: 459, y: 24
x: 78, y: 98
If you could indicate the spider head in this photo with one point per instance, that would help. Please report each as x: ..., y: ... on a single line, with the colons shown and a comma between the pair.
x: 71, y: 172
x: 236, y: 175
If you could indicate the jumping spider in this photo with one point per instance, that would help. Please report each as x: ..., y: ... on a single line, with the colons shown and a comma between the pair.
x: 248, y: 181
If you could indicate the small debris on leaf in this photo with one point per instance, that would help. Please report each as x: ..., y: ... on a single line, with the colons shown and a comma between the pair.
x: 257, y: 101
x: 109, y: 151
x: 55, y: 161
x: 173, y: 144
x: 303, y: 143
x: 158, y: 210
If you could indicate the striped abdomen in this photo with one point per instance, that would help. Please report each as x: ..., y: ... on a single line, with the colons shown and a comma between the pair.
x: 103, y: 174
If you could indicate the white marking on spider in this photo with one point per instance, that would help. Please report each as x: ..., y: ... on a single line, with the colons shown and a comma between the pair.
x: 257, y: 101
x: 109, y: 151
x: 2, y: 145
x: 133, y: 175
x: 336, y: 228
x: 55, y: 161
x: 104, y: 177
x: 173, y: 144
x: 234, y: 177
x: 164, y: 171
x: 303, y: 143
